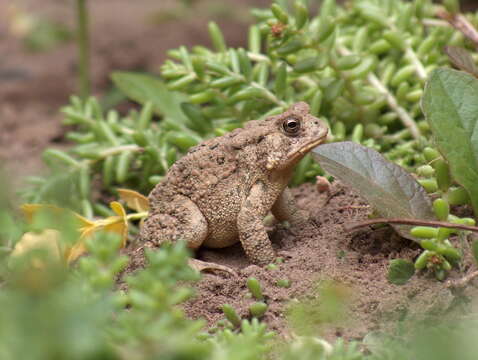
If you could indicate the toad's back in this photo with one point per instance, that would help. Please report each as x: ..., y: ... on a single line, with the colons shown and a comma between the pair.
x: 202, y: 172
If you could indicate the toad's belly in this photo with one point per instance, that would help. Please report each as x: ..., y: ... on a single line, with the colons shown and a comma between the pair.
x: 221, y: 235
x: 222, y: 225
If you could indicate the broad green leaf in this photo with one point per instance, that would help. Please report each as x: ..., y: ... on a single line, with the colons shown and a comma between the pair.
x: 450, y: 104
x: 143, y: 88
x: 400, y: 271
x: 392, y: 191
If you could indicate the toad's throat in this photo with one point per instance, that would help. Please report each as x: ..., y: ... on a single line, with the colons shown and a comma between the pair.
x: 297, y: 154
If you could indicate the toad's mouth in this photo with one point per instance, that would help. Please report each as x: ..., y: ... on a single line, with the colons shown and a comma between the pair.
x: 307, y: 147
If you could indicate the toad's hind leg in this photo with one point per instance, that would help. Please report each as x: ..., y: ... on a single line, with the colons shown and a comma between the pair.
x: 178, y: 219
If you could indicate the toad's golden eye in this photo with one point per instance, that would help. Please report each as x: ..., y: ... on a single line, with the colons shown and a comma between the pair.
x: 291, y: 125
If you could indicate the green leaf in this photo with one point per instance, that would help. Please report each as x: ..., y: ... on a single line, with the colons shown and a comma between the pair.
x: 143, y: 88
x: 400, y: 271
x: 392, y: 191
x: 217, y: 37
x: 450, y: 104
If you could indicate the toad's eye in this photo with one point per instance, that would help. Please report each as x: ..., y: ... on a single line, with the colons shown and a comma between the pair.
x: 291, y: 125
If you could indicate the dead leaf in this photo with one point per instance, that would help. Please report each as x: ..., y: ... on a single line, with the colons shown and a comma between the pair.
x: 134, y: 200
x: 201, y: 266
x: 117, y: 224
x: 48, y: 240
x: 30, y: 210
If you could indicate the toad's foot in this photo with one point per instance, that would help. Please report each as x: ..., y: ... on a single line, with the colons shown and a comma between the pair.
x: 201, y: 266
x: 285, y: 209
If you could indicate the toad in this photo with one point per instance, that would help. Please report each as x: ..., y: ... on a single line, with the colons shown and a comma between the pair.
x: 221, y: 190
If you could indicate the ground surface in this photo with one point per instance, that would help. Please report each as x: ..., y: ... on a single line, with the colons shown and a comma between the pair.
x: 315, y: 255
x: 128, y: 36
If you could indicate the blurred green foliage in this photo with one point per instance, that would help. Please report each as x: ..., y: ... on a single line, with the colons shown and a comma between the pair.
x: 361, y: 66
x: 46, y: 35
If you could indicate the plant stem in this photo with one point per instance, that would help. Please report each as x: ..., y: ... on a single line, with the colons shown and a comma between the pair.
x: 403, y: 115
x: 119, y: 149
x: 258, y: 57
x: 83, y: 49
x: 413, y: 222
x: 419, y: 68
x: 137, y: 216
x: 461, y: 283
x: 269, y: 95
x: 435, y: 22
x: 461, y: 23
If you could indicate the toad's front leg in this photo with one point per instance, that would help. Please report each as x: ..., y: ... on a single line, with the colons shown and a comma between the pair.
x: 252, y: 233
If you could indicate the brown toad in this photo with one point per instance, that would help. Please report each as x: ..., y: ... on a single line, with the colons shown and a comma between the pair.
x: 221, y: 190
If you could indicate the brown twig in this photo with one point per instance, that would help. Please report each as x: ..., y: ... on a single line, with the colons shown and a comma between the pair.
x: 461, y: 23
x: 412, y: 222
x: 463, y: 282
x: 330, y: 196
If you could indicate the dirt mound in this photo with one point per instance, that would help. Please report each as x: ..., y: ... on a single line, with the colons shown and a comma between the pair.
x: 319, y: 252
